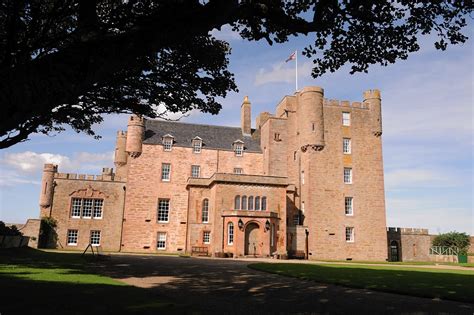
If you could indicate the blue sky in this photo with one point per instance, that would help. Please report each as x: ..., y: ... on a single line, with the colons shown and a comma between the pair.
x: 427, y: 104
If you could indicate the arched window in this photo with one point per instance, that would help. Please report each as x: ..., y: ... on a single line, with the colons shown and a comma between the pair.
x: 257, y: 203
x: 244, y: 202
x: 250, y: 203
x: 264, y: 203
x: 230, y: 233
x: 205, y: 211
x: 237, y: 203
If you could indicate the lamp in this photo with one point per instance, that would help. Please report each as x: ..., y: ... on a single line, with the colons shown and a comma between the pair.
x: 267, y: 225
x: 241, y: 224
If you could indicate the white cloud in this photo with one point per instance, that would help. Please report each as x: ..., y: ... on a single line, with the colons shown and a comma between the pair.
x: 226, y: 33
x: 31, y: 162
x: 282, y: 72
x: 418, y: 177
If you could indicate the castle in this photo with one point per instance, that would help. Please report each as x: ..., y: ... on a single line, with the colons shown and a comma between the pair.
x: 308, y: 180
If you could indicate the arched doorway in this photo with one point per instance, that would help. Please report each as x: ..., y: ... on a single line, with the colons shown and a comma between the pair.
x: 251, y: 239
x: 394, y: 251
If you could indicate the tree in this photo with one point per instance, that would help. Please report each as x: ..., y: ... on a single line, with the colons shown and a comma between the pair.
x: 453, y: 239
x: 71, y: 61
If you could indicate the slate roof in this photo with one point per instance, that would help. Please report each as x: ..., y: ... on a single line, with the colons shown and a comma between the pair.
x: 213, y: 137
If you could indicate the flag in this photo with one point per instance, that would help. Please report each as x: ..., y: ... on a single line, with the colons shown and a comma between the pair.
x: 292, y: 57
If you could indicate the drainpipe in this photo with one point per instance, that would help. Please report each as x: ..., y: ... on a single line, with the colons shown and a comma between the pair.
x: 123, y: 214
x: 187, y: 224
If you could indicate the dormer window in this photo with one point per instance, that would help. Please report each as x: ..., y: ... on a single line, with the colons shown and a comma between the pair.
x: 239, y: 147
x: 197, y: 145
x: 168, y: 142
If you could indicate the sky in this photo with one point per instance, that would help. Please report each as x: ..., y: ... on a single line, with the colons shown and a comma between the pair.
x: 427, y: 105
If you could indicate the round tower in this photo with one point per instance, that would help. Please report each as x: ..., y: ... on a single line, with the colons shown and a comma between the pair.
x: 135, y: 134
x: 120, y: 153
x: 47, y: 185
x: 373, y: 100
x: 310, y: 118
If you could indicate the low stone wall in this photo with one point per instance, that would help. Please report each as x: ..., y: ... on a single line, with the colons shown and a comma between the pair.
x: 444, y: 258
x: 7, y: 241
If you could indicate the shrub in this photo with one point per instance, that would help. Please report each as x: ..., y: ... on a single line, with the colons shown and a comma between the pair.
x: 453, y: 239
x: 9, y: 230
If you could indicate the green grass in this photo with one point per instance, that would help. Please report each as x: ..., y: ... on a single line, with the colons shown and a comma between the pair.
x: 412, y: 263
x: 455, y: 285
x: 66, y: 283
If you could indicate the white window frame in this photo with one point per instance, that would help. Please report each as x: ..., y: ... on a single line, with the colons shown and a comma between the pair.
x: 76, y: 208
x: 205, y: 211
x: 162, y: 212
x: 161, y: 240
x: 88, y: 204
x: 346, y: 145
x: 257, y: 203
x: 349, y: 206
x: 73, y: 237
x: 95, y: 238
x: 165, y: 176
x: 96, y: 209
x: 251, y: 203
x: 230, y: 233
x: 350, y: 235
x: 238, y: 170
x: 347, y: 175
x: 238, y: 148
x: 167, y: 143
x: 346, y: 118
x: 197, y: 146
x: 206, y: 237
x: 194, y: 173
x: 243, y: 203
x: 237, y: 203
x: 263, y: 203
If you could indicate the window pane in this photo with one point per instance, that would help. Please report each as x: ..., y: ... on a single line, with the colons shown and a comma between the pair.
x: 237, y: 203
x: 205, y: 211
x: 346, y: 145
x: 257, y: 203
x: 197, y: 146
x: 348, y: 206
x: 347, y: 175
x: 206, y: 237
x: 76, y: 207
x: 250, y: 207
x: 230, y: 233
x: 346, y: 119
x: 95, y: 238
x: 349, y: 234
x: 165, y: 171
x: 98, y: 203
x: 244, y: 202
x: 87, y: 208
x: 264, y: 203
x: 167, y: 144
x: 237, y: 170
x: 161, y: 240
x: 72, y: 237
x: 163, y: 210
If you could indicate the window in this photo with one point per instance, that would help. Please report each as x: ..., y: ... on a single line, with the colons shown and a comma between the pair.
x: 161, y: 240
x: 165, y: 172
x: 349, y: 234
x: 239, y: 149
x: 244, y: 202
x: 296, y: 219
x: 206, y: 237
x: 72, y: 237
x: 237, y: 203
x: 277, y: 137
x: 167, y: 142
x: 163, y: 210
x: 197, y: 145
x: 250, y: 207
x: 264, y: 203
x: 346, y: 119
x: 95, y: 238
x: 87, y: 208
x: 347, y: 175
x: 98, y: 203
x: 195, y: 171
x: 230, y: 233
x: 76, y: 207
x: 237, y: 170
x: 257, y: 203
x: 294, y: 156
x: 348, y: 206
x: 302, y: 206
x: 302, y: 177
x: 205, y: 211
x: 346, y: 146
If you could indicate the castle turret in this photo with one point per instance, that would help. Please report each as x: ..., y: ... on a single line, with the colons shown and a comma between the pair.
x: 135, y: 134
x: 120, y: 153
x: 246, y: 117
x: 310, y: 118
x: 47, y: 185
x: 373, y: 100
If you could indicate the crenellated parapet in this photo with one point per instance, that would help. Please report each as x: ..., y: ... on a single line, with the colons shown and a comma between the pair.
x: 310, y: 117
x: 135, y: 135
x: 348, y: 104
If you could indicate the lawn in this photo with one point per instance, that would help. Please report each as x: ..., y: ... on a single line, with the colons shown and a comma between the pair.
x: 418, y: 263
x: 455, y: 285
x: 38, y: 282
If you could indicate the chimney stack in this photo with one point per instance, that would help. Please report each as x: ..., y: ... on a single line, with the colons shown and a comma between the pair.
x: 245, y: 117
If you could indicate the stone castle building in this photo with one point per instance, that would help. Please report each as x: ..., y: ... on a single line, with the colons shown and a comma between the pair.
x: 308, y: 180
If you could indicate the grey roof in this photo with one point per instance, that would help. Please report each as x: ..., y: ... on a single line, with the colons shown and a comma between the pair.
x: 213, y: 137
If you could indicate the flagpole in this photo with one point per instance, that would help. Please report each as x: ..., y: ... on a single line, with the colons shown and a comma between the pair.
x: 296, y: 70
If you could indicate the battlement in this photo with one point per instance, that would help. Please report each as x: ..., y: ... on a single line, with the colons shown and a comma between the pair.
x: 74, y: 176
x: 121, y: 133
x: 412, y: 231
x: 348, y: 104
